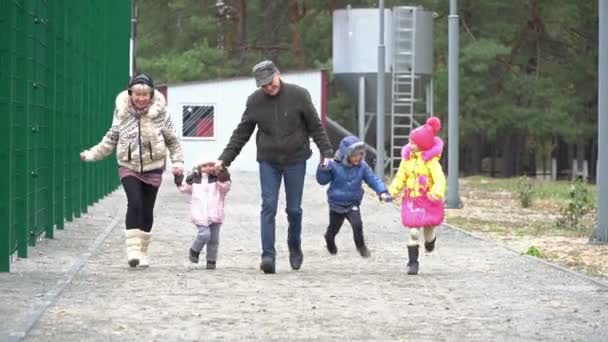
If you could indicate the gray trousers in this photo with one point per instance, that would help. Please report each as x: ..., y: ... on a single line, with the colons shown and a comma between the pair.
x: 210, y: 236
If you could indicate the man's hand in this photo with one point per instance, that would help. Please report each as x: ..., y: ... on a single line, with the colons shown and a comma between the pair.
x: 326, y: 163
x: 219, y: 165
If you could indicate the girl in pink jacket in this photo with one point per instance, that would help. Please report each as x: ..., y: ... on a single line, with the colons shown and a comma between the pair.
x: 421, y: 180
x: 208, y: 188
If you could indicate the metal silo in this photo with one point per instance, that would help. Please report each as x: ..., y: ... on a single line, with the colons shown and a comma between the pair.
x: 409, y: 68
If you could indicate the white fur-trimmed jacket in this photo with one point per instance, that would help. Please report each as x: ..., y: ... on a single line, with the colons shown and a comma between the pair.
x: 141, y: 143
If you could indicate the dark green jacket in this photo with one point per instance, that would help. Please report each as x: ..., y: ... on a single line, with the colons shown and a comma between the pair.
x: 285, y: 123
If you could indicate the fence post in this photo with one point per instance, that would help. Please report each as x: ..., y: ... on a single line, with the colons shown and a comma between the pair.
x: 5, y: 121
x: 60, y: 101
x: 51, y: 115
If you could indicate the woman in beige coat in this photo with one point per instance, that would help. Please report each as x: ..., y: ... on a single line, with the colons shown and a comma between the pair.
x: 141, y: 132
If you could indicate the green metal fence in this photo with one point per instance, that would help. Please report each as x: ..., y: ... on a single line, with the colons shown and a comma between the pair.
x: 61, y: 64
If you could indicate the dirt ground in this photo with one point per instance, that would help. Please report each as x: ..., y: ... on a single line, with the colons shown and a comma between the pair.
x: 498, y: 215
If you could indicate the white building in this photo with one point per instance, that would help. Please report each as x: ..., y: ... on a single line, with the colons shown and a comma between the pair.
x: 206, y: 113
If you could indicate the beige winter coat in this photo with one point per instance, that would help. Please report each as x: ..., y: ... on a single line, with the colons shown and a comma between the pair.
x: 141, y: 144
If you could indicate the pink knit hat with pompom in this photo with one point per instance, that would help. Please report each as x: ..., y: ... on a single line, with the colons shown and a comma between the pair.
x: 423, y: 136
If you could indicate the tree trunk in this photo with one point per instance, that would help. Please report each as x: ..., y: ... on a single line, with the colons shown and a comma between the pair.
x: 331, y: 6
x: 593, y: 161
x: 242, y: 22
x: 295, y: 14
x: 444, y: 164
x: 580, y: 153
x: 525, y: 156
x: 296, y: 45
x: 476, y: 154
x: 507, y: 156
x: 461, y: 161
x: 579, y: 149
x: 271, y: 29
x: 542, y: 157
x: 570, y: 158
x: 531, y: 169
x: 466, y: 148
x: 517, y: 155
x: 494, y: 149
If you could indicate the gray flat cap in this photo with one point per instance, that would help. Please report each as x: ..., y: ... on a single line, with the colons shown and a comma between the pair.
x: 264, y: 72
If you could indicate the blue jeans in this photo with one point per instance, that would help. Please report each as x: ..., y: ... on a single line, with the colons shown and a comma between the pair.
x: 270, y: 181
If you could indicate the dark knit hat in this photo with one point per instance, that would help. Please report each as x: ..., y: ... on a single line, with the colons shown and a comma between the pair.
x: 141, y: 79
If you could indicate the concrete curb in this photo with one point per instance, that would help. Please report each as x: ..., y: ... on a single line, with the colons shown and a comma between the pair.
x: 52, y: 295
x: 596, y: 281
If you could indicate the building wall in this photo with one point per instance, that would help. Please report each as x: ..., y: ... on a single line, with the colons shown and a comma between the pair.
x: 228, y: 97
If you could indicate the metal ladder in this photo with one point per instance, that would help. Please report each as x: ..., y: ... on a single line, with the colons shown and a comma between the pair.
x: 403, y: 81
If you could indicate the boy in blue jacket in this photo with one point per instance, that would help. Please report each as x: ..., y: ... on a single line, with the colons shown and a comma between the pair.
x: 345, y: 176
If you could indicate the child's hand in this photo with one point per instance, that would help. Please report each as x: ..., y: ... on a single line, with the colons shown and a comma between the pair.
x: 194, y: 177
x: 178, y: 179
x: 189, y: 179
x: 433, y: 197
x: 386, y: 197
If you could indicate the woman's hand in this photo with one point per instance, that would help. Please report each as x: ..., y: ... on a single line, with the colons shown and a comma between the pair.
x: 177, y: 170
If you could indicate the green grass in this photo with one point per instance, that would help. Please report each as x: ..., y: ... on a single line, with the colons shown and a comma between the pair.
x: 544, y: 190
x: 518, y: 228
x: 534, y: 251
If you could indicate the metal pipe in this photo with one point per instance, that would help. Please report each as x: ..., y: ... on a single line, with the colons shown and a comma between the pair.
x: 362, y: 108
x: 453, y: 198
x: 432, y: 97
x: 333, y: 124
x: 380, y: 100
x: 601, y: 233
x: 133, y: 40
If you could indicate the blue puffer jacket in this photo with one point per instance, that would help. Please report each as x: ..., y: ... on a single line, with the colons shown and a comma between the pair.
x: 345, y: 180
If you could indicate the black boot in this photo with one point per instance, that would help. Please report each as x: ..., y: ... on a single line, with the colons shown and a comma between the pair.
x: 210, y: 265
x: 412, y: 265
x: 194, y: 256
x: 296, y: 257
x: 430, y: 246
x: 330, y: 243
x: 267, y: 265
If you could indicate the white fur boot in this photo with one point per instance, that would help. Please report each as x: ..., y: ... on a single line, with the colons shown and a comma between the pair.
x: 145, y: 243
x: 133, y: 246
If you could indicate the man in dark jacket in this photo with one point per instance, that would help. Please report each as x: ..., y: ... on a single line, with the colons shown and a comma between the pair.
x: 286, y: 119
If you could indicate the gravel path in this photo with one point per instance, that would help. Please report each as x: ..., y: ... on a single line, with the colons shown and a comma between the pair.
x: 468, y: 288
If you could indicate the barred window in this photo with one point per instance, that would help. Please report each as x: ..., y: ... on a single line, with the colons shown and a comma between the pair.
x: 198, y: 121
